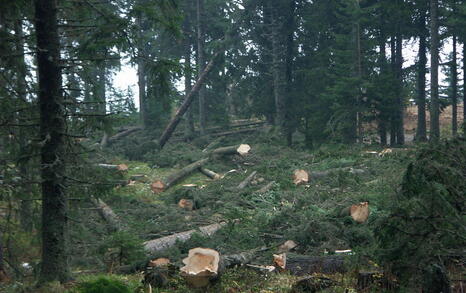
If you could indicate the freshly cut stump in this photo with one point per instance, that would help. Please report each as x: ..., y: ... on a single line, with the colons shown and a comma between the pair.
x: 201, y: 266
x: 360, y: 212
x: 300, y: 177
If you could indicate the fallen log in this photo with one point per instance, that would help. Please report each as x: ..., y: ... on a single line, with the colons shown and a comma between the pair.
x: 160, y: 186
x: 123, y: 134
x: 159, y: 244
x: 242, y: 149
x: 322, y: 174
x: 300, y: 265
x: 209, y: 173
x: 120, y: 167
x: 246, y: 181
x: 107, y: 214
x: 186, y: 103
x: 266, y: 187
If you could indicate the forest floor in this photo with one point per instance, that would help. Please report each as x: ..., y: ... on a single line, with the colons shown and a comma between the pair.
x: 308, y: 214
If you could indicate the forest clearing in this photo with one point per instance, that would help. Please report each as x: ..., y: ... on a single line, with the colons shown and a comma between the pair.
x: 232, y: 146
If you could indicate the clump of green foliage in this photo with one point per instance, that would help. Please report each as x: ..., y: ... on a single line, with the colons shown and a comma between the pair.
x: 424, y: 227
x: 104, y: 285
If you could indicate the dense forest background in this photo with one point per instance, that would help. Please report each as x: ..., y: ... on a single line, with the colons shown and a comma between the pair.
x: 320, y: 85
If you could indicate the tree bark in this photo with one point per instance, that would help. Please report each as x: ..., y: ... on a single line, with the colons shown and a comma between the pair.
x: 280, y: 106
x: 400, y: 136
x: 209, y: 173
x: 290, y: 27
x: 188, y: 72
x: 434, y: 53
x: 142, y: 79
x: 54, y: 265
x: 421, y: 131
x: 160, y: 244
x: 160, y: 186
x: 201, y: 64
x: 306, y: 265
x: 107, y: 214
x: 464, y: 87
x: 383, y: 117
x: 246, y: 181
x: 187, y: 102
x: 124, y: 133
x: 454, y: 89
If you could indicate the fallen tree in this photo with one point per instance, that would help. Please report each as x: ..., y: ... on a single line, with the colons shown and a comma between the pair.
x: 107, y: 214
x: 187, y: 102
x: 159, y: 186
x: 159, y: 244
x: 121, y: 135
x: 120, y: 167
x: 246, y: 181
x: 300, y: 265
x: 209, y: 173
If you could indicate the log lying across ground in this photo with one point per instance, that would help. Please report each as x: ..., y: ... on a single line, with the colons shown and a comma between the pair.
x: 209, y: 173
x: 120, y: 167
x: 246, y: 181
x: 300, y: 265
x: 107, y: 214
x: 159, y: 244
x: 321, y: 174
x: 123, y: 134
x: 159, y: 186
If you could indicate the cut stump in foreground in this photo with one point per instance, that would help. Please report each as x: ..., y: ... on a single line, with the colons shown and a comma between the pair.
x: 359, y: 212
x: 300, y: 177
x: 201, y: 266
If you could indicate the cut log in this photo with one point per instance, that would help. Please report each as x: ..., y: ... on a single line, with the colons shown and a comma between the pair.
x: 201, y: 266
x: 300, y: 177
x: 242, y: 149
x: 107, y: 214
x: 300, y: 265
x: 211, y: 174
x: 266, y: 187
x: 246, y: 181
x: 359, y: 212
x: 160, y: 186
x: 287, y: 246
x: 186, y: 103
x: 124, y: 133
x: 120, y: 167
x: 322, y: 174
x: 160, y: 244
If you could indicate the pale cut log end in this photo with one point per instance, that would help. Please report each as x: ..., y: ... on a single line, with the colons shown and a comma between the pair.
x: 243, y: 149
x: 158, y: 186
x: 300, y: 177
x: 360, y: 212
x: 279, y: 260
x: 122, y: 167
x: 186, y: 204
x: 201, y: 266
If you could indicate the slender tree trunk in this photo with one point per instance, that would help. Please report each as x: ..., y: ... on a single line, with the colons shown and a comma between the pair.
x: 434, y: 53
x: 464, y: 88
x: 393, y: 140
x: 142, y: 78
x: 400, y: 135
x: 188, y: 72
x: 25, y: 211
x: 289, y: 117
x: 421, y: 130
x: 201, y: 64
x: 54, y: 265
x: 277, y: 70
x: 454, y: 89
x: 382, y: 125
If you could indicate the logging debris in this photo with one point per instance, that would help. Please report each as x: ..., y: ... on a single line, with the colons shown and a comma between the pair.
x: 201, y: 266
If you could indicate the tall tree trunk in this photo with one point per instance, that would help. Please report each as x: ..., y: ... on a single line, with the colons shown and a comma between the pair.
x: 400, y: 135
x: 25, y: 211
x: 142, y: 78
x: 393, y: 139
x: 382, y: 123
x: 201, y: 64
x: 464, y: 88
x: 277, y: 70
x: 454, y: 89
x: 289, y: 117
x: 188, y: 72
x: 434, y: 53
x: 421, y: 130
x: 54, y: 265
